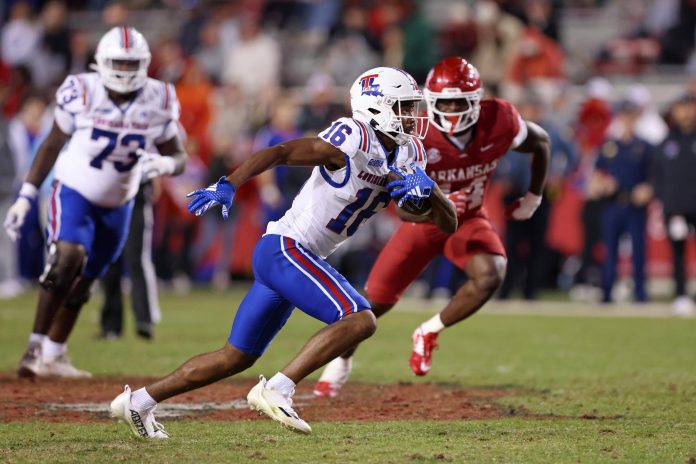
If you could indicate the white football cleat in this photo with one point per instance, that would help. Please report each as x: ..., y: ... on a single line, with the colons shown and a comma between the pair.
x: 29, y: 365
x: 683, y: 306
x: 335, y: 375
x: 422, y: 352
x: 141, y: 423
x: 60, y: 367
x: 276, y: 406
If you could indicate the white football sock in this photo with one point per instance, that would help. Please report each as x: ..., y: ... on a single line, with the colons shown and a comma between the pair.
x: 51, y: 350
x: 142, y: 401
x: 337, y: 371
x: 282, y: 384
x: 36, y: 338
x: 433, y: 325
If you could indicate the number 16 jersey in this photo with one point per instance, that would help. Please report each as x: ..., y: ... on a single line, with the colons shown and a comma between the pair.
x: 332, y: 205
x: 99, y: 160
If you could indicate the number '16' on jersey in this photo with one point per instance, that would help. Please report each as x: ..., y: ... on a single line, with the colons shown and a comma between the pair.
x: 332, y: 205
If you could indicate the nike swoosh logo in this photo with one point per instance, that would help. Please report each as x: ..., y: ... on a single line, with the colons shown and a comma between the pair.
x: 487, y: 147
x: 397, y: 86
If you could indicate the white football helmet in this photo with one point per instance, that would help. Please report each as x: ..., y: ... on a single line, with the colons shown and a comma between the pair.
x: 377, y: 98
x: 122, y: 57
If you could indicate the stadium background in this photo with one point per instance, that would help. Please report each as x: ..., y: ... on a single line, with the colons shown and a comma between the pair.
x: 255, y: 72
x: 548, y: 381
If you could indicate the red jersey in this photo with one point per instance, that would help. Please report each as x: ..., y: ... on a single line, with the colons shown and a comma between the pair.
x: 470, y: 168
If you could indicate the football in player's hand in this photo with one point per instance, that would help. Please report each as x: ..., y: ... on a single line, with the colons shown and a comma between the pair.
x: 409, y: 206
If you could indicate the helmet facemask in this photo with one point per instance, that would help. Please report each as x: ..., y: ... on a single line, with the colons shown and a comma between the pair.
x: 122, y: 59
x: 405, y: 121
x: 123, y: 75
x: 454, y: 122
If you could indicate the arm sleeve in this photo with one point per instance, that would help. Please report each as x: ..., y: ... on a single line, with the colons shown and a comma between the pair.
x: 172, y: 109
x: 72, y: 98
x: 419, y: 157
x: 346, y: 135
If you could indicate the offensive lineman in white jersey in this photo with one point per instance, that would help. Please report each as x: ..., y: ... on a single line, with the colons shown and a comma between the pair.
x: 107, y: 127
x: 353, y: 160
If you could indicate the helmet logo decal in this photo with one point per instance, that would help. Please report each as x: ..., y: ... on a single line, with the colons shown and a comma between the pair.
x: 369, y: 87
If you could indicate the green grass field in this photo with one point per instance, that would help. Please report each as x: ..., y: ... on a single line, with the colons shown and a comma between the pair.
x: 586, y: 389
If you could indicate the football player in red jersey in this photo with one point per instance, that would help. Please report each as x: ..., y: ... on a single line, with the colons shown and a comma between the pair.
x: 470, y: 136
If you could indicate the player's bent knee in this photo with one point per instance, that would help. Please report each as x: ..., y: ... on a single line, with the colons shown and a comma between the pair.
x: 63, y: 265
x: 381, y: 309
x: 364, y: 323
x: 235, y: 359
x: 489, y: 282
x: 77, y: 298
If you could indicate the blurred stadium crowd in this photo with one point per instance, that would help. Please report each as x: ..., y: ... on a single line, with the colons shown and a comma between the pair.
x: 613, y: 82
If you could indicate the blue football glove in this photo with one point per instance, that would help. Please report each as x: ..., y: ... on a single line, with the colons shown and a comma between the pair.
x: 219, y: 193
x: 414, y: 187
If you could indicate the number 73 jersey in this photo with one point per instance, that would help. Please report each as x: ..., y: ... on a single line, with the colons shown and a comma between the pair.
x: 332, y: 205
x: 100, y: 160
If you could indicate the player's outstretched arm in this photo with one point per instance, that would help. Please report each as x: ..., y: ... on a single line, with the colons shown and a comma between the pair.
x: 46, y: 156
x: 539, y: 145
x: 305, y: 151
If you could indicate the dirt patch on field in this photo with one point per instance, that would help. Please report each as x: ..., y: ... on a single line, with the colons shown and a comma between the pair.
x: 56, y: 400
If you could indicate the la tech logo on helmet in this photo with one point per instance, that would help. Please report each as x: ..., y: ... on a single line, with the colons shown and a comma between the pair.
x: 369, y: 87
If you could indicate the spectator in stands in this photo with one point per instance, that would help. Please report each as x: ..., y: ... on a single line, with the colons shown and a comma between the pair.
x: 168, y: 62
x: 591, y: 126
x: 673, y: 177
x: 195, y: 92
x: 278, y: 186
x: 350, y: 49
x: 16, y: 83
x: 137, y: 259
x: 620, y: 179
x: 81, y: 52
x: 649, y: 126
x: 538, y: 60
x: 26, y: 132
x: 525, y: 241
x: 21, y: 36
x: 55, y: 42
x: 257, y: 51
x: 543, y: 15
x: 319, y: 106
x: 498, y: 38
x: 10, y: 285
x: 419, y: 47
x: 458, y: 36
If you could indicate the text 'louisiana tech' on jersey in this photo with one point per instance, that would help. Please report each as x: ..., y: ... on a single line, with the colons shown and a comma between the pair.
x: 99, y: 160
x: 333, y: 204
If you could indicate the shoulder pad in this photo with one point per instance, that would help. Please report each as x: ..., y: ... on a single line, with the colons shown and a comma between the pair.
x: 74, y: 94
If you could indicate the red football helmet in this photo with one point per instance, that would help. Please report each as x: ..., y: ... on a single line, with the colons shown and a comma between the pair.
x: 453, y: 78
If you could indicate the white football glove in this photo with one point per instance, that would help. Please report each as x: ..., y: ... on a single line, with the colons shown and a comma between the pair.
x: 523, y: 208
x: 678, y: 228
x: 155, y: 165
x: 19, y: 210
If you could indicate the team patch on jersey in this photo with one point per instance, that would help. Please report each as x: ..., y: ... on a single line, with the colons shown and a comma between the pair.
x: 434, y: 155
x: 375, y: 163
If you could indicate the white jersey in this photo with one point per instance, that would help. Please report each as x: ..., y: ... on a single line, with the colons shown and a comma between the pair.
x: 99, y: 160
x: 333, y: 204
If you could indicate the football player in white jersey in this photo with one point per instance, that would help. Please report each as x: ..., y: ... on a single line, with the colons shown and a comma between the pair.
x: 349, y: 184
x: 108, y: 126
